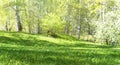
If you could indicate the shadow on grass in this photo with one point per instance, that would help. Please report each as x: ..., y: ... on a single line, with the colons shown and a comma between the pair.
x: 57, y: 54
x: 91, y: 45
x: 66, y: 37
x: 32, y: 41
x: 39, y: 57
x: 35, y: 42
x: 22, y: 42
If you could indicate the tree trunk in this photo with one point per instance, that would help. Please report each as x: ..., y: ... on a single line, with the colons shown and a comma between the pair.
x: 19, y: 25
x: 78, y: 29
x: 38, y: 28
x: 67, y: 28
x: 29, y: 27
x: 89, y: 29
x: 107, y: 42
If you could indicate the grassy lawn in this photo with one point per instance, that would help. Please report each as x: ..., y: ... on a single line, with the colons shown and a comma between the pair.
x: 28, y: 49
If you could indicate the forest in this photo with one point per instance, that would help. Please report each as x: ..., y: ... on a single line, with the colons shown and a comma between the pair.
x: 59, y: 32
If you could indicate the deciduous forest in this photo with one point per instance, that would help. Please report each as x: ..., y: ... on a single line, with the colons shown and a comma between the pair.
x: 59, y: 32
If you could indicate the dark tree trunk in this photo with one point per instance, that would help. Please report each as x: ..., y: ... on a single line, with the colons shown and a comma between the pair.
x: 107, y: 42
x: 39, y: 29
x: 89, y: 29
x: 29, y: 27
x: 67, y: 28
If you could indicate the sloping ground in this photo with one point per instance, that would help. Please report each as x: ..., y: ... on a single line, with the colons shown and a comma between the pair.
x: 28, y: 49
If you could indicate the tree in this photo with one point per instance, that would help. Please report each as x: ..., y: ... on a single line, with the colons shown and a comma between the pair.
x: 19, y: 25
x: 107, y: 28
x: 78, y: 18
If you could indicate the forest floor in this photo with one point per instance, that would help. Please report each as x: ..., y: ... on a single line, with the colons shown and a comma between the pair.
x: 29, y: 49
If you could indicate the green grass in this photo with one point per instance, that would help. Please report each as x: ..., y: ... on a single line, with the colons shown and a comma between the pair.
x: 28, y: 49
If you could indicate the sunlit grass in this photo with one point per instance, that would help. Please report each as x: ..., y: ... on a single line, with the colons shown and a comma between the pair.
x: 29, y: 49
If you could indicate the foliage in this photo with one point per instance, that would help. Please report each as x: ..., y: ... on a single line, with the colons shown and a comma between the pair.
x: 73, y: 17
x: 108, y: 31
x: 53, y: 23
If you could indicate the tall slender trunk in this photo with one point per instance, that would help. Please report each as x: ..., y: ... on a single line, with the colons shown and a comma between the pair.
x: 19, y: 25
x: 39, y: 21
x: 67, y: 18
x: 89, y: 29
x: 78, y: 22
x: 39, y: 30
x: 78, y: 29
x: 67, y: 27
x: 29, y: 27
x: 8, y: 24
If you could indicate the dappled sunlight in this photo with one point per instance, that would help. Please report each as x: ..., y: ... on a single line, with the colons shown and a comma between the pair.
x: 26, y: 49
x: 59, y: 32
